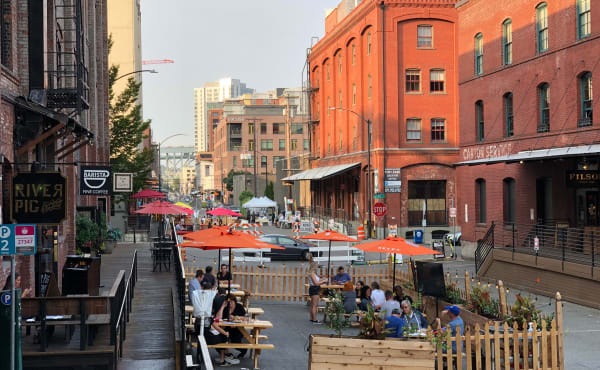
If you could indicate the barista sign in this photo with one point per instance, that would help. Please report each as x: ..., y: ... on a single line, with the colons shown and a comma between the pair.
x: 39, y: 198
x: 95, y: 180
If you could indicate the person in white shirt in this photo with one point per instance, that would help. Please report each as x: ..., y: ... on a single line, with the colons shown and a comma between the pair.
x: 377, y: 296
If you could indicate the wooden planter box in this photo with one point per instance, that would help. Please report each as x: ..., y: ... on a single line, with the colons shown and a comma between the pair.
x: 348, y: 353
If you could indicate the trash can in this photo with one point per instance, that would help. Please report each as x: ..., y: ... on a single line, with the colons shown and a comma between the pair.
x: 418, y: 236
x: 81, y: 275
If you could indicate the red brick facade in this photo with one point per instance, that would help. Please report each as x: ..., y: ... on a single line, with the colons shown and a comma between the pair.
x: 571, y: 53
x: 366, y: 63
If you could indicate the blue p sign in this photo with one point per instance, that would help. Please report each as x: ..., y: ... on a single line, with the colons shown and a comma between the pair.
x: 6, y: 298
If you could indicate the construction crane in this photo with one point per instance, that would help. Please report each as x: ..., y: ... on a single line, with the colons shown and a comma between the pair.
x: 158, y: 61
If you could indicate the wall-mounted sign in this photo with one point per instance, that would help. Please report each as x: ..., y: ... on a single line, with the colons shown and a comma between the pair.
x: 39, y: 198
x: 392, y: 181
x: 122, y: 182
x: 95, y: 180
x: 583, y: 178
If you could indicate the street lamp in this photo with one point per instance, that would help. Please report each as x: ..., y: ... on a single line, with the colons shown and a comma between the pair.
x: 140, y: 71
x: 369, y: 195
x: 159, y: 165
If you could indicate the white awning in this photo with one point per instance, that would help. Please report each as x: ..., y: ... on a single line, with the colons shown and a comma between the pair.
x: 321, y: 173
x: 532, y: 155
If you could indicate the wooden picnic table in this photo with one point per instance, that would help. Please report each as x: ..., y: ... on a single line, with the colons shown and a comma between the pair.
x: 251, y: 331
x: 255, y: 311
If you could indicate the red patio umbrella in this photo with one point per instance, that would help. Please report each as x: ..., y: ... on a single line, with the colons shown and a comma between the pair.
x: 332, y: 236
x: 161, y: 207
x: 395, y: 245
x: 148, y: 193
x: 222, y: 238
x: 223, y: 212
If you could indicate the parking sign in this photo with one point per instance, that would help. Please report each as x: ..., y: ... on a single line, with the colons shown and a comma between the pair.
x: 17, y: 239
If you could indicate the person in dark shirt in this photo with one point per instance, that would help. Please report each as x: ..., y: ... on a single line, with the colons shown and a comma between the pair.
x: 235, y: 309
x: 396, y: 324
x: 208, y: 276
x: 218, y: 300
x: 400, y: 296
x: 224, y: 275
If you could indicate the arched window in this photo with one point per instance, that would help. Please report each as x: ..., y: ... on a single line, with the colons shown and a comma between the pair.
x: 479, y: 119
x: 368, y: 43
x: 478, y: 54
x: 480, y: 201
x: 585, y: 85
x: 509, y: 200
x: 507, y: 42
x: 508, y: 114
x: 544, y: 107
x: 541, y: 12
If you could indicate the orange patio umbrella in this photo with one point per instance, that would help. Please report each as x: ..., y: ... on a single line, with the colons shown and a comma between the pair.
x: 223, y: 238
x: 332, y: 236
x: 396, y: 245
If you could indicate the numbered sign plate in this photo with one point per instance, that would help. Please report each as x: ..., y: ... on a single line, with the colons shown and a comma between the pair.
x: 17, y: 239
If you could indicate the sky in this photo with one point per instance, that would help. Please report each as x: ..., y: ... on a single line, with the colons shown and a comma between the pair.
x: 261, y: 42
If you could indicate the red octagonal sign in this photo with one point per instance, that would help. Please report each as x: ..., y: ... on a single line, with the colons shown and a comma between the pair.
x: 379, y: 209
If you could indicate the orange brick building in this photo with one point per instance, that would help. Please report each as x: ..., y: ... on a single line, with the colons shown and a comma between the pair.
x: 527, y: 131
x: 393, y: 63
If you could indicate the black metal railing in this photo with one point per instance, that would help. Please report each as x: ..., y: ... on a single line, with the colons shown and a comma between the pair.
x: 339, y: 215
x: 484, y: 246
x: 121, y: 308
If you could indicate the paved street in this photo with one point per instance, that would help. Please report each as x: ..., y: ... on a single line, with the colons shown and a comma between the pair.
x: 292, y: 328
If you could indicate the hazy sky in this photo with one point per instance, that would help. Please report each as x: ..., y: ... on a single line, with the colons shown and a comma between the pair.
x: 261, y: 42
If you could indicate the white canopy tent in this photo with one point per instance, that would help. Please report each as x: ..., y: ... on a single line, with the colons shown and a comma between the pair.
x: 262, y: 202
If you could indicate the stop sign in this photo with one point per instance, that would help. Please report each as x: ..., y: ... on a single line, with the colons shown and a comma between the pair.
x: 379, y: 209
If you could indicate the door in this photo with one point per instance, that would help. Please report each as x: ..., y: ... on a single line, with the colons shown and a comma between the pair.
x: 592, y: 212
x: 543, y: 195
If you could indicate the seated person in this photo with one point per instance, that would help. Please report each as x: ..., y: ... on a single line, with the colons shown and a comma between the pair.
x: 195, y: 283
x: 390, y: 304
x: 341, y: 277
x: 400, y: 296
x: 234, y: 308
x: 224, y: 275
x: 365, y: 297
x: 413, y: 318
x: 214, y: 334
x: 396, y: 325
x: 377, y: 296
x: 218, y: 300
x: 208, y: 276
x: 456, y: 323
x: 349, y: 297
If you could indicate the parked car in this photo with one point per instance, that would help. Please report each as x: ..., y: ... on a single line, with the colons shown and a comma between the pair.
x: 294, y: 249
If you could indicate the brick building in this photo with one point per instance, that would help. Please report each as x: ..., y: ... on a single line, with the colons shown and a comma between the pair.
x: 255, y: 128
x: 527, y: 133
x: 393, y: 63
x: 54, y: 107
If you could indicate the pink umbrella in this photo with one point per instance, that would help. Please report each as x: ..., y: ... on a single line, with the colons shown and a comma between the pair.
x: 148, y: 193
x: 223, y: 212
x: 161, y: 207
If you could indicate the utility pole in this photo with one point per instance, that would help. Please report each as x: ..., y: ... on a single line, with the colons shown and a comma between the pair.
x: 288, y: 136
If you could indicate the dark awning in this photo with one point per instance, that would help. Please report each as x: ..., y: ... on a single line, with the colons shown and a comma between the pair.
x: 321, y: 173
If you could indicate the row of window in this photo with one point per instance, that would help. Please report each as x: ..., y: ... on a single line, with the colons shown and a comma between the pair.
x: 438, y: 130
x: 264, y: 161
x: 509, y: 200
x: 278, y: 128
x: 267, y: 144
x: 437, y: 81
x: 584, y: 29
x: 543, y: 121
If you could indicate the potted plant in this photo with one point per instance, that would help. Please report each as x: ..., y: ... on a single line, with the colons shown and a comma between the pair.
x: 110, y: 241
x: 335, y: 312
x: 86, y: 235
x: 483, y: 304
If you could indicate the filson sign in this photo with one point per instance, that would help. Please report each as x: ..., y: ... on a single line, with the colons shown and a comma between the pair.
x: 39, y: 198
x: 95, y: 180
x: 583, y: 178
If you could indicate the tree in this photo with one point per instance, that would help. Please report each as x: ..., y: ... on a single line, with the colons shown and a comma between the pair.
x: 245, y: 196
x: 127, y: 130
x: 269, y: 192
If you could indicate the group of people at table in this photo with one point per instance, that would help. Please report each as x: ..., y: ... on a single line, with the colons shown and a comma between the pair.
x: 395, y: 305
x: 224, y: 307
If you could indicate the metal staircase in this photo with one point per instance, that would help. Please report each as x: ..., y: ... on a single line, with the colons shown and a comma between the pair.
x: 484, y: 246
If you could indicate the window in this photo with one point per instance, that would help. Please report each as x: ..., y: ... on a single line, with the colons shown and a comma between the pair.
x: 305, y: 144
x: 250, y: 144
x: 507, y: 42
x: 541, y: 13
x: 369, y: 86
x: 436, y: 80
x: 317, y: 79
x: 413, y: 80
x: 251, y: 128
x: 318, y: 111
x: 234, y: 162
x: 584, y: 21
x: 368, y: 43
x: 266, y: 144
x: 340, y: 98
x: 340, y: 136
x: 329, y: 143
x: 248, y: 163
x: 426, y: 203
x: 509, y: 200
x: 297, y: 128
x: 544, y: 110
x: 263, y: 161
x: 328, y: 105
x: 7, y: 34
x: 478, y: 54
x: 413, y: 129
x: 586, y: 99
x: 480, y: 204
x: 508, y: 114
x: 354, y: 137
x: 279, y: 129
x: 479, y: 119
x: 276, y: 159
x: 353, y: 94
x: 281, y: 144
x: 328, y: 75
x: 353, y: 54
x: 424, y: 36
x: 293, y: 144
x: 206, y: 171
x: 340, y: 63
x: 263, y: 128
x: 438, y: 130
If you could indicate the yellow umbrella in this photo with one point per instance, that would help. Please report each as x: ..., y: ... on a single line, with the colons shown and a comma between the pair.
x: 181, y: 204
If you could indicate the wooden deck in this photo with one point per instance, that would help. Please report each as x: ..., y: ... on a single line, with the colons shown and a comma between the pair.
x: 150, y: 331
